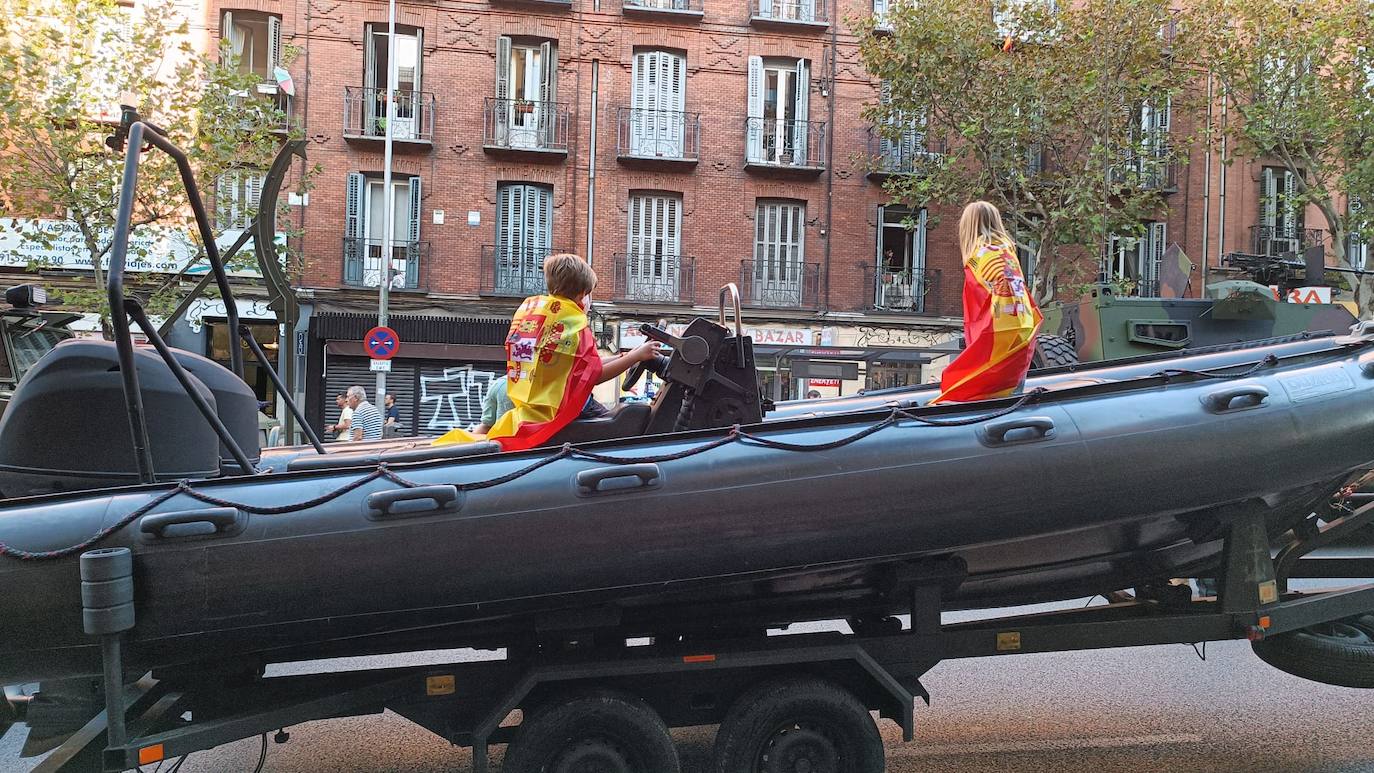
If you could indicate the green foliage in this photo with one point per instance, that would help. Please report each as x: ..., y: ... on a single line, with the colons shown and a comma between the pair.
x: 1297, y: 82
x: 1049, y: 131
x: 68, y: 65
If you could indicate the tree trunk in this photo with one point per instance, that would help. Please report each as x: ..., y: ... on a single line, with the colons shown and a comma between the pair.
x: 1364, y: 294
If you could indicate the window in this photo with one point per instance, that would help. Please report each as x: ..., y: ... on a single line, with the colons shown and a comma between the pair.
x: 255, y: 41
x: 902, y: 284
x: 880, y: 19
x: 526, y: 93
x: 1137, y: 259
x: 366, y: 224
x: 658, y: 88
x: 1280, y: 227
x: 779, y: 253
x: 1011, y: 16
x: 788, y: 10
x: 903, y: 152
x: 236, y: 198
x: 524, y: 228
x: 653, y: 258
x: 778, y: 130
x: 375, y: 75
x: 1357, y: 246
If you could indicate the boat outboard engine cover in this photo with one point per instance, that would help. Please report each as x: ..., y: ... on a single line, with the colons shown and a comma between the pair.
x: 67, y: 427
x: 236, y: 404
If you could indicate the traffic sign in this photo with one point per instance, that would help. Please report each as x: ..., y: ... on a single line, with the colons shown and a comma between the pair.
x: 381, y: 343
x: 381, y: 366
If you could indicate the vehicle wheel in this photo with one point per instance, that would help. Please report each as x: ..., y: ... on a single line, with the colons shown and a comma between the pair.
x: 1339, y: 653
x: 593, y: 733
x: 798, y: 725
x: 1052, y: 351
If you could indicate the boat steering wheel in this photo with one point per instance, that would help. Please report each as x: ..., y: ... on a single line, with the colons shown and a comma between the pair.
x: 693, y: 350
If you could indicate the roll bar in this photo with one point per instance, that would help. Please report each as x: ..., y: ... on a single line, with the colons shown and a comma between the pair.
x: 729, y: 289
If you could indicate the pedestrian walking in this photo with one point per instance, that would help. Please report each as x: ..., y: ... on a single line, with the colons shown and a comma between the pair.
x: 367, y: 421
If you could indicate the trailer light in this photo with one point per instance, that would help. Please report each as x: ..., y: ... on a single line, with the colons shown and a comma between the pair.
x: 1264, y: 622
x: 150, y: 754
x: 698, y: 658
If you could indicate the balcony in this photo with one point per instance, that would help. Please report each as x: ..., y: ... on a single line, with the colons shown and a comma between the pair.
x: 270, y: 97
x: 513, y: 272
x: 1281, y: 242
x: 785, y: 146
x: 523, y: 126
x: 1147, y: 172
x: 365, y: 116
x: 684, y: 10
x: 362, y: 263
x: 776, y: 284
x: 644, y: 278
x: 791, y: 14
x: 912, y: 153
x: 911, y: 291
x: 657, y: 137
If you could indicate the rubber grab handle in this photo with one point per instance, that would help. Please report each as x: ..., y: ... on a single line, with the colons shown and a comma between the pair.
x: 1222, y: 400
x: 589, y: 481
x: 219, y: 517
x: 443, y: 497
x: 995, y: 432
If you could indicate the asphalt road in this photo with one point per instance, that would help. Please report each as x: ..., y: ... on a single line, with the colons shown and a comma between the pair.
x: 1140, y: 709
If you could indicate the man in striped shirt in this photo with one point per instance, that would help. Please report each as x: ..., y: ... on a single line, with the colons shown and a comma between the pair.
x: 367, y: 420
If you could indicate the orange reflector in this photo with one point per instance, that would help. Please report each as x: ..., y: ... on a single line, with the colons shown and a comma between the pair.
x: 150, y: 754
x: 698, y: 658
x: 1264, y: 622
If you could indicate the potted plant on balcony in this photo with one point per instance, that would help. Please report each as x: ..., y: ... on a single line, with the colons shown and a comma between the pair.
x: 524, y: 106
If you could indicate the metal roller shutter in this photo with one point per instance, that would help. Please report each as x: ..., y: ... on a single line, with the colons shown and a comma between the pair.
x: 343, y: 372
x: 451, y: 395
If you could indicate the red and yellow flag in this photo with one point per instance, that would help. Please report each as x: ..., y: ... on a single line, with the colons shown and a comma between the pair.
x: 1000, y: 321
x: 551, y: 366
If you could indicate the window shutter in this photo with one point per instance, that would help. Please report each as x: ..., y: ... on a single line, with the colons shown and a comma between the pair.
x: 765, y: 9
x: 802, y: 152
x: 677, y: 84
x: 1268, y: 198
x: 370, y: 66
x: 548, y: 62
x: 354, y: 217
x: 503, y: 67
x: 273, y: 42
x: 755, y: 129
x: 414, y: 234
x: 249, y: 211
x: 1159, y: 233
x: 224, y: 201
x: 505, y: 216
x: 1292, y: 213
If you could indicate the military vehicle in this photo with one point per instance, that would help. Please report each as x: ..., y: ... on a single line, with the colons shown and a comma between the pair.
x: 1104, y: 324
x: 26, y: 334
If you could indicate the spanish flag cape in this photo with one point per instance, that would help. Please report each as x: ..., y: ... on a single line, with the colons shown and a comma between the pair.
x: 551, y: 366
x: 1000, y: 321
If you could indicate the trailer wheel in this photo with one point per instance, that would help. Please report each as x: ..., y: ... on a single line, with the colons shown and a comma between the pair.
x: 798, y: 725
x: 600, y: 732
x: 1052, y: 351
x: 1339, y: 653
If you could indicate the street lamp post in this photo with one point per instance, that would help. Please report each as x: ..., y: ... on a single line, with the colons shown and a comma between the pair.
x: 388, y: 191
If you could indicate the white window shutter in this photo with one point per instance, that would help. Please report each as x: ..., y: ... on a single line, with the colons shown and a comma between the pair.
x: 677, y: 83
x: 802, y: 152
x: 548, y: 61
x: 273, y: 42
x: 755, y: 128
x: 1159, y: 233
x: 502, y: 67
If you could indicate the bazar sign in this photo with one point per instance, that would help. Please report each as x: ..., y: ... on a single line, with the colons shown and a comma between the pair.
x: 1304, y: 294
x: 58, y: 244
x: 780, y: 336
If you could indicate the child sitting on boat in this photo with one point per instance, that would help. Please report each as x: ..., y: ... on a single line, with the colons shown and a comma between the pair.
x: 551, y: 360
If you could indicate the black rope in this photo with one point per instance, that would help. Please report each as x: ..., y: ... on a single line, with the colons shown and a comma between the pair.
x: 47, y: 555
x: 1269, y: 361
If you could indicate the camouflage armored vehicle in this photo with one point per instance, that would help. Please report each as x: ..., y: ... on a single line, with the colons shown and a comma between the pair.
x: 1102, y: 325
x: 26, y: 334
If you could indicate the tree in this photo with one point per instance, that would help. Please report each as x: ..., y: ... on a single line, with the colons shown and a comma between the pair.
x: 1051, y: 114
x: 70, y: 63
x: 1297, y: 81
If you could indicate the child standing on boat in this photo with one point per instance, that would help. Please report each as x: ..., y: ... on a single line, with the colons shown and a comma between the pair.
x: 1000, y: 318
x: 551, y: 359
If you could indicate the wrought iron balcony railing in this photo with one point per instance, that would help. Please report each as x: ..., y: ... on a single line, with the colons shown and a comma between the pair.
x: 362, y: 263
x: 513, y: 272
x: 1282, y: 242
x: 911, y: 153
x: 807, y: 12
x: 365, y: 114
x: 657, y: 134
x: 906, y: 291
x: 680, y: 7
x: 780, y: 284
x: 648, y: 278
x: 784, y: 144
x: 525, y: 125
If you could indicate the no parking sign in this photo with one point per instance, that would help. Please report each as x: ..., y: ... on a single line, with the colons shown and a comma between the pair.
x: 381, y: 343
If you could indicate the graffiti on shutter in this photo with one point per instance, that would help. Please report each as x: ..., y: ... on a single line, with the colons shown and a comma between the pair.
x: 452, y: 397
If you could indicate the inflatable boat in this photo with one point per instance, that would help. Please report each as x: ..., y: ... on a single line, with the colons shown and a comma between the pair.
x: 690, y: 514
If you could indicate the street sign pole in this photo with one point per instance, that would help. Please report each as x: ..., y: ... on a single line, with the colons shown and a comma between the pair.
x: 388, y: 193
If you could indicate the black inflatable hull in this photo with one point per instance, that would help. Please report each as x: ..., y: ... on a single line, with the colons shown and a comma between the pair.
x: 1096, y: 487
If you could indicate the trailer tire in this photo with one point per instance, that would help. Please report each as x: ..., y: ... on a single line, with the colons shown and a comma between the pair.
x: 776, y: 723
x: 1052, y: 351
x: 602, y: 732
x: 1339, y: 653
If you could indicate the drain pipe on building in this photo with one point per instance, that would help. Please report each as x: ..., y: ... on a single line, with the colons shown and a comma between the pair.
x: 591, y: 163
x: 830, y: 152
